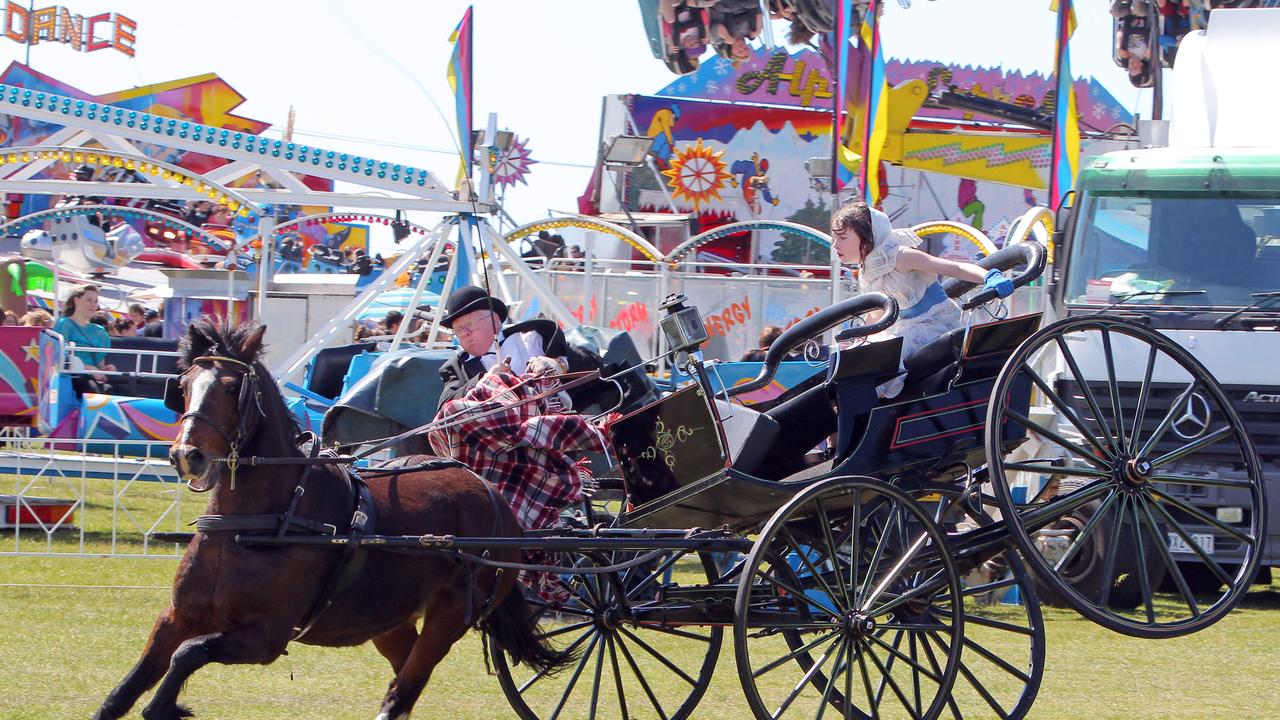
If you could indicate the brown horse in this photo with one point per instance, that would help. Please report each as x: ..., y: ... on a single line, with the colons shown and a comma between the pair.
x: 237, y: 604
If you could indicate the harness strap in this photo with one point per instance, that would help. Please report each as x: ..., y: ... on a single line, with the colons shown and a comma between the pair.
x: 352, y: 560
x: 274, y: 522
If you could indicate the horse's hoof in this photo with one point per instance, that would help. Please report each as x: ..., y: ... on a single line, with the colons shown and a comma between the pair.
x: 177, y: 712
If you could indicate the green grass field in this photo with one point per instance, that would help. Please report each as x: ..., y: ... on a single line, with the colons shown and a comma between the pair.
x: 71, y: 627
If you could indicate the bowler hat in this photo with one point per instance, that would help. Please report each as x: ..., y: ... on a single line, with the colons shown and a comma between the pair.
x: 469, y: 299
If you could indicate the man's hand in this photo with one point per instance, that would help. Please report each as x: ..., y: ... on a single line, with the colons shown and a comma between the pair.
x: 543, y: 365
x: 502, y: 366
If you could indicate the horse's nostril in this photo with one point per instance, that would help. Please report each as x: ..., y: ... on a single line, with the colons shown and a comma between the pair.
x: 196, y: 461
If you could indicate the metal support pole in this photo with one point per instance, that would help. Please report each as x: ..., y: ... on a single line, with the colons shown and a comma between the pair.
x: 417, y: 297
x: 266, y: 258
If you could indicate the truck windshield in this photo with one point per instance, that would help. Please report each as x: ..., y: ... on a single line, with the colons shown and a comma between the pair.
x: 1228, y: 247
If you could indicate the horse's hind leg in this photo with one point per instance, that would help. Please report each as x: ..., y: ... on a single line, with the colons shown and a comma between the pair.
x: 165, y: 637
x: 444, y: 625
x: 396, y: 644
x: 245, y: 644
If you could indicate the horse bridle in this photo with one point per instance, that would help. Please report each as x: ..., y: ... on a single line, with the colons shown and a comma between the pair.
x: 250, y: 399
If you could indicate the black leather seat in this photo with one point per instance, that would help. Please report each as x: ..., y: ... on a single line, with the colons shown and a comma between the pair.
x: 926, y: 366
x: 329, y: 368
x: 143, y: 387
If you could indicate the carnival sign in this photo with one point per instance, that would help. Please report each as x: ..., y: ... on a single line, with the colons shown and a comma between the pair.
x: 32, y: 26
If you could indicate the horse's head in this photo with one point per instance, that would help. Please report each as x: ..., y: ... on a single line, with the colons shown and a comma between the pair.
x: 218, y: 398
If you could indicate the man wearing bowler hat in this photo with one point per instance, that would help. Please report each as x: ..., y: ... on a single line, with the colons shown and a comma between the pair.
x: 533, y: 346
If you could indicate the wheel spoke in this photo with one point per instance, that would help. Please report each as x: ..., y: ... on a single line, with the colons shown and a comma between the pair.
x: 1193, y: 480
x: 543, y: 673
x: 933, y: 662
x: 1204, y: 517
x: 1056, y: 470
x: 660, y: 657
x: 886, y: 676
x: 841, y: 665
x: 983, y: 588
x: 1113, y: 389
x: 981, y: 690
x: 1167, y: 421
x: 657, y: 573
x: 644, y: 684
x: 997, y: 660
x: 1109, y: 560
x: 789, y: 657
x: 855, y: 553
x: 1087, y: 530
x: 677, y: 632
x: 1062, y: 505
x: 1193, y: 545
x: 577, y: 672
x: 899, y: 654
x: 873, y: 563
x: 866, y: 684
x: 1067, y: 411
x: 1143, y: 393
x: 1191, y: 447
x: 898, y: 567
x: 997, y: 624
x: 1162, y: 544
x: 798, y: 595
x: 565, y: 629
x: 833, y: 552
x: 1144, y: 582
x: 802, y: 551
x: 1057, y: 439
x: 1087, y: 392
x: 595, y: 686
x: 617, y: 677
x: 806, y: 678
x: 926, y: 588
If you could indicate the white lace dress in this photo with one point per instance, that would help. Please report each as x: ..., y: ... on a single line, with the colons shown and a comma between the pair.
x: 879, y: 274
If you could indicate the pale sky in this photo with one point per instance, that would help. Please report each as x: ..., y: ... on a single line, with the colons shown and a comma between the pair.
x: 362, y: 76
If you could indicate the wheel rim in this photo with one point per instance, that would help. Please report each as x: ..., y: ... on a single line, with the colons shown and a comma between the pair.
x: 623, y: 669
x: 1003, y: 661
x: 878, y: 632
x: 1137, y: 439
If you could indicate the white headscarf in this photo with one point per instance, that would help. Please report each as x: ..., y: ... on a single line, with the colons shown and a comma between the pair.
x: 881, y: 226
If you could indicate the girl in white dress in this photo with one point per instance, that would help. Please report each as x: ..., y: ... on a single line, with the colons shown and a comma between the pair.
x: 891, y: 263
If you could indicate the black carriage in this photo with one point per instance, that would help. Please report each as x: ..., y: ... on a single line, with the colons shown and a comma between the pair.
x: 857, y: 581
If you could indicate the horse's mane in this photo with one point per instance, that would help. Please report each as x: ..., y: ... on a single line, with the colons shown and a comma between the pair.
x: 278, y: 428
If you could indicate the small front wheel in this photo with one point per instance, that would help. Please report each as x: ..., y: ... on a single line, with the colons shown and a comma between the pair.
x: 849, y: 605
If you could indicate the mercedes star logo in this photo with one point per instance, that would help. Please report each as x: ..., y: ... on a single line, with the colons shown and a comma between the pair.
x: 1194, y: 419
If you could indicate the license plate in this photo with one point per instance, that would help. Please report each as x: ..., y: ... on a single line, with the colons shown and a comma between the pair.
x: 1178, y: 545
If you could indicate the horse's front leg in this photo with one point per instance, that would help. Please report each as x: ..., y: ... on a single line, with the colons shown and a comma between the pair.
x: 167, y: 634
x: 244, y: 644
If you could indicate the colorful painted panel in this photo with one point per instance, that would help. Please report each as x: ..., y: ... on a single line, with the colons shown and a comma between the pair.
x: 20, y: 389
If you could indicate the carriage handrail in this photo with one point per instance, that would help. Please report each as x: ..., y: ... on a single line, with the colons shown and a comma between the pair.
x: 1027, y: 254
x: 819, y: 323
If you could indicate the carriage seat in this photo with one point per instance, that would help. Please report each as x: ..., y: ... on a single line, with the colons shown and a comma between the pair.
x: 748, y: 434
x: 933, y: 364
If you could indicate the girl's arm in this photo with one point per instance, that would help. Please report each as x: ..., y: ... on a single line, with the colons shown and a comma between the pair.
x: 920, y: 261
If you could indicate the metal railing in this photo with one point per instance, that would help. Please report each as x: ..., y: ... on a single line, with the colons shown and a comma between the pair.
x: 86, y: 497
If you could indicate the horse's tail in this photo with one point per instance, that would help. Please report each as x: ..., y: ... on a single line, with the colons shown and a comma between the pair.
x: 513, y: 628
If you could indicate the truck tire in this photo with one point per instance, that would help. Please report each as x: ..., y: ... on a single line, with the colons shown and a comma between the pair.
x: 1085, y: 569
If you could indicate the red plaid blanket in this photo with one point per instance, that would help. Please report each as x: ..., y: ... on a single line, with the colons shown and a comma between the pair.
x: 521, y: 449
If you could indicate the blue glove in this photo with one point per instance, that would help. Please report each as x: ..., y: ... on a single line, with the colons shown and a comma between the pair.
x: 998, y: 282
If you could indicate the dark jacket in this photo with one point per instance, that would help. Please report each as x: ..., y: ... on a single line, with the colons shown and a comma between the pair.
x: 459, y: 374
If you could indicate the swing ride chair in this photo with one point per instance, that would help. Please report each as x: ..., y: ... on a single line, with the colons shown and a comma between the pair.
x: 863, y: 570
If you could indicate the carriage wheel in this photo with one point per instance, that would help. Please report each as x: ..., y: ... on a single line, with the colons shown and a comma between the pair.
x: 1004, y: 636
x: 877, y: 633
x: 623, y: 669
x: 1148, y: 433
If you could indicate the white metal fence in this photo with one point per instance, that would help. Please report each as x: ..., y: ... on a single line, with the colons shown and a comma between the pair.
x: 90, y: 497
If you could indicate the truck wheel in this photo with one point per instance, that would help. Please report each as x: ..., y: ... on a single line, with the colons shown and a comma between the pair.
x: 1084, y: 571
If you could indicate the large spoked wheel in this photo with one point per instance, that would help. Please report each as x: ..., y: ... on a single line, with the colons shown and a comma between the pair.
x: 849, y: 606
x: 623, y: 668
x: 1004, y: 636
x: 1136, y: 430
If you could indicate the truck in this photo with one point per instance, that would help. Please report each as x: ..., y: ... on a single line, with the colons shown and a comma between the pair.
x: 1184, y: 236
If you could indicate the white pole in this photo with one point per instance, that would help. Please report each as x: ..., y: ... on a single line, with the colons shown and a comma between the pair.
x: 266, y: 229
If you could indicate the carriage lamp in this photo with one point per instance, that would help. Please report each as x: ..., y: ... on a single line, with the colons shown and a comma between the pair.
x: 682, y: 325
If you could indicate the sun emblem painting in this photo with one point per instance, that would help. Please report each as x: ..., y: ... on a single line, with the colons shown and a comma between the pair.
x: 512, y: 165
x: 697, y: 174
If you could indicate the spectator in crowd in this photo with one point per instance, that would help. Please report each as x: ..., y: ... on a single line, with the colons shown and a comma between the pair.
x: 152, y: 326
x: 122, y: 327
x: 102, y: 320
x: 76, y: 326
x: 38, y: 318
x: 767, y: 336
x: 392, y: 321
x: 138, y: 315
x: 10, y: 318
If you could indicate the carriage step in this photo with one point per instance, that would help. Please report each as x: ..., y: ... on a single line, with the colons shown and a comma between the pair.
x: 699, y: 594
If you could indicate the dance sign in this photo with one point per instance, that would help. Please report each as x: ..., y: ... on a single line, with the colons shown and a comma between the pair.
x: 32, y: 26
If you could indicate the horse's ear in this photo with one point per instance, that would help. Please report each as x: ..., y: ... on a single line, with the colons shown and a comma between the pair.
x: 252, y: 344
x: 197, y: 341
